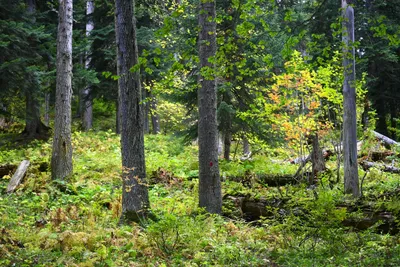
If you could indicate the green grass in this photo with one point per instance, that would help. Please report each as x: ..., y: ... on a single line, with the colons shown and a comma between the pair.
x: 42, y: 226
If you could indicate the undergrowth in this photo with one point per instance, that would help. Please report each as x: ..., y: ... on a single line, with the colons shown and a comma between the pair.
x: 44, y: 224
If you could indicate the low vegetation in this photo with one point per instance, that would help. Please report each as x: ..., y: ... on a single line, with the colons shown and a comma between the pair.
x: 76, y: 223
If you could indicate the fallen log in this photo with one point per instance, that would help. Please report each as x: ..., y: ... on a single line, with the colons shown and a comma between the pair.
x: 383, y: 167
x: 385, y: 139
x: 326, y: 154
x: 267, y: 179
x: 18, y: 175
x: 253, y: 209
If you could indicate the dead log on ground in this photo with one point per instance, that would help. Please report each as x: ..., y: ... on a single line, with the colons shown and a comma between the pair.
x: 383, y: 167
x: 385, y: 139
x: 18, y: 175
x: 326, y: 154
x: 253, y: 209
x: 267, y: 179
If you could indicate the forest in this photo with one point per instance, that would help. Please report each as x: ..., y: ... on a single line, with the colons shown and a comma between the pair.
x: 199, y: 133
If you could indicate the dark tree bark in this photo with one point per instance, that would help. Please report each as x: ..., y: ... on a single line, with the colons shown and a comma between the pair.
x: 61, y: 159
x: 146, y: 125
x: 47, y: 108
x: 227, y: 145
x: 135, y: 200
x: 210, y: 185
x: 317, y: 158
x: 155, y: 118
x: 34, y: 127
x: 351, y: 183
x: 118, y: 118
x: 86, y: 96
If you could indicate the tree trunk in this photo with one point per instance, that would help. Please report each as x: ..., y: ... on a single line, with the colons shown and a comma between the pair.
x: 118, y: 117
x: 209, y: 185
x: 61, y: 159
x: 351, y: 184
x: 146, y: 111
x: 47, y: 108
x: 317, y: 158
x: 135, y: 200
x: 227, y: 145
x: 33, y: 125
x: 246, y: 146
x: 155, y: 118
x: 87, y: 110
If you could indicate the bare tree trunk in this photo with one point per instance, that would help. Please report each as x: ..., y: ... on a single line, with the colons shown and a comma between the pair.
x: 155, y: 118
x: 135, y: 200
x: 33, y: 125
x: 118, y: 118
x: 61, y: 159
x: 227, y: 145
x: 209, y: 185
x: 246, y: 146
x: 47, y: 108
x: 87, y: 110
x: 146, y: 111
x: 351, y: 183
x: 317, y: 158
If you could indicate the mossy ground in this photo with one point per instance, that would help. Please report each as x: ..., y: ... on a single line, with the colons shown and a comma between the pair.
x: 75, y: 223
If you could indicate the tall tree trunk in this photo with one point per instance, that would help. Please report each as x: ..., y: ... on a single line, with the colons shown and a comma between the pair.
x: 246, y: 146
x: 47, y: 108
x: 155, y: 118
x: 146, y: 113
x: 33, y: 125
x: 135, y: 200
x: 317, y: 159
x: 118, y: 117
x: 227, y: 145
x: 146, y: 125
x: 351, y: 184
x: 87, y: 110
x: 209, y: 185
x: 61, y: 159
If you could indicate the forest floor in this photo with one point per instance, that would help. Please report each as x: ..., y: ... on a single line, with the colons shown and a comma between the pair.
x: 75, y: 223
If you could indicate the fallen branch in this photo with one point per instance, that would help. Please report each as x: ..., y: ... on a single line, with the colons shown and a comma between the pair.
x: 18, y: 175
x: 383, y: 167
x: 326, y: 153
x: 385, y: 139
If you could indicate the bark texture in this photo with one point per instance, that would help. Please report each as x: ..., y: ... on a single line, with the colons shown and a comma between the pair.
x: 351, y: 183
x: 34, y: 127
x: 86, y: 96
x: 209, y: 185
x: 135, y: 200
x: 246, y: 146
x: 155, y: 118
x: 317, y: 158
x: 61, y: 159
x: 47, y: 108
